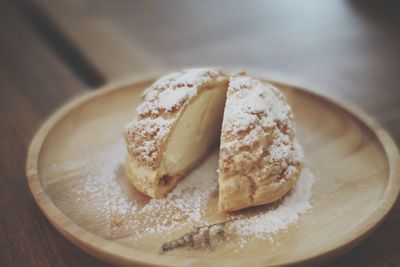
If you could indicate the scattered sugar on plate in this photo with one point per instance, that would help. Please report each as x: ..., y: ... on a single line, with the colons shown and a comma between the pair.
x: 107, y: 188
x: 101, y: 183
x: 288, y: 212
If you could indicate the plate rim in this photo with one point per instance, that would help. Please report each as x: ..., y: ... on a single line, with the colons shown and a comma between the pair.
x: 108, y: 250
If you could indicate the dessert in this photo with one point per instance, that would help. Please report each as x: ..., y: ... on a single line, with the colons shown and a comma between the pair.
x: 177, y: 124
x: 181, y: 118
x: 259, y: 158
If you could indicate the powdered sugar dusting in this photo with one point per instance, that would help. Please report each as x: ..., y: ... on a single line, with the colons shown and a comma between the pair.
x: 163, y: 100
x: 144, y: 138
x: 170, y: 92
x: 185, y: 205
x: 101, y: 191
x: 257, y: 140
x: 108, y: 190
x: 101, y: 183
x: 255, y: 112
x: 288, y: 212
x: 249, y: 97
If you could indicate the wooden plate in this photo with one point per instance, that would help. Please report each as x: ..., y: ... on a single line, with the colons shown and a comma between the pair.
x: 355, y: 162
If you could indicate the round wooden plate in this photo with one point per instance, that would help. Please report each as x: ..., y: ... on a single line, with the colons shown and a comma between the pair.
x: 355, y: 162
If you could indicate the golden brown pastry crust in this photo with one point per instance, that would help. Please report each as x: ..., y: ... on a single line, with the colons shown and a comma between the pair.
x: 259, y: 158
x: 164, y: 100
x: 155, y: 188
x: 147, y: 136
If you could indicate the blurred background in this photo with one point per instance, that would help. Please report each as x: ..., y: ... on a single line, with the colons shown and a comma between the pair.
x: 53, y: 50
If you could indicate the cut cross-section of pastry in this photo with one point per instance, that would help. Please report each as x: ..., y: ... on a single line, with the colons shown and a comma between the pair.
x: 177, y: 124
x: 260, y: 160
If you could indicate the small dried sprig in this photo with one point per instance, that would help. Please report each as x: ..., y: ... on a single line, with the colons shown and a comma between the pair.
x: 187, y: 239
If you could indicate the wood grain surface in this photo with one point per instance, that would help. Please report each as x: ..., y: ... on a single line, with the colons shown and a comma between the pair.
x: 348, y: 49
x: 355, y: 164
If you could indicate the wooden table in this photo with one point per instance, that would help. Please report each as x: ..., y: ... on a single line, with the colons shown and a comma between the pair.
x: 51, y: 51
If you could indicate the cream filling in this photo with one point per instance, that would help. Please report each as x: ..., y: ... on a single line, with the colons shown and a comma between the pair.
x: 197, y: 129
